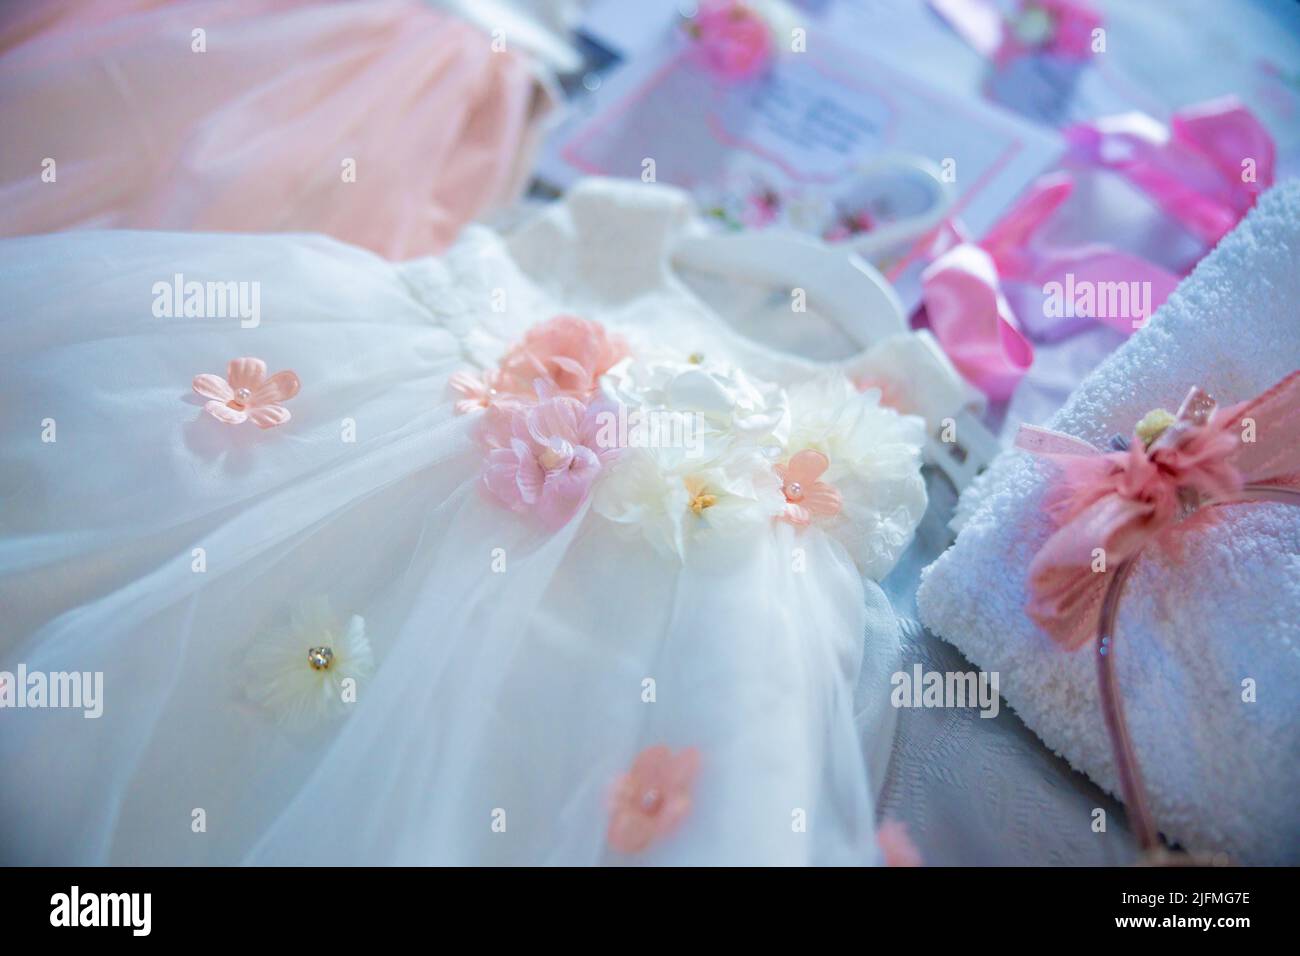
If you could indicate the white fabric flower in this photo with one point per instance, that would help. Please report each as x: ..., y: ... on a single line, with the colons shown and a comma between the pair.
x: 728, y: 404
x: 875, y: 462
x: 297, y: 672
x: 671, y: 498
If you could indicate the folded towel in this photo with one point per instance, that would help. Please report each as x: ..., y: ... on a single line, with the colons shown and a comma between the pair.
x: 1208, y: 610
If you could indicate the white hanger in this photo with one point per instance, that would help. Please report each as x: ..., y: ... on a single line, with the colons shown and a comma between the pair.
x: 849, y: 291
x: 915, y: 180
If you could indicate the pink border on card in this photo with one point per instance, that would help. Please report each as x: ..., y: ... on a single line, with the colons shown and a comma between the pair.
x: 571, y: 152
x: 599, y: 122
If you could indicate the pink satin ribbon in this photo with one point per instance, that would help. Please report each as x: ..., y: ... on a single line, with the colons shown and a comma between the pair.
x: 1120, y: 501
x: 966, y: 302
x: 1194, y: 171
x: 1206, y: 170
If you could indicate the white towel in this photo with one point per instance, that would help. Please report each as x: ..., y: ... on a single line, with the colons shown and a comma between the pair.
x: 1222, y: 773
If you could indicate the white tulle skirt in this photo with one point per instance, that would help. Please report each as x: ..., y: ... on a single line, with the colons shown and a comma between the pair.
x: 515, y: 672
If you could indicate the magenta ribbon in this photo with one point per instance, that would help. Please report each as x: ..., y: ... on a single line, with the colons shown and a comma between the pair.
x: 1206, y: 170
x: 1194, y: 171
x: 966, y: 301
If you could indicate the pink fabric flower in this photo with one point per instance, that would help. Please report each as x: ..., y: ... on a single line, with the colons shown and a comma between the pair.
x: 849, y: 225
x: 651, y: 799
x: 805, y: 495
x: 762, y: 208
x: 1073, y: 22
x: 480, y: 392
x: 897, y: 846
x: 567, y: 353
x: 1061, y: 27
x: 247, y: 394
x: 733, y: 41
x: 544, y: 457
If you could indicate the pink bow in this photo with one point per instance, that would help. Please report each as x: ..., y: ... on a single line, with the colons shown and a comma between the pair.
x: 966, y: 303
x: 1205, y: 170
x: 1119, y: 501
x: 1196, y: 170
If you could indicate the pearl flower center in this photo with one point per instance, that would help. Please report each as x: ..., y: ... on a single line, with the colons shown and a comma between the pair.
x: 242, y: 397
x: 794, y: 491
x: 651, y: 800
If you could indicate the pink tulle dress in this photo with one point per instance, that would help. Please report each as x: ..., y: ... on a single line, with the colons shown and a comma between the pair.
x: 385, y: 124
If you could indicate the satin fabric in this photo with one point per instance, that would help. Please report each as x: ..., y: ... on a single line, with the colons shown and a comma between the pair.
x: 975, y: 292
x: 1121, y: 501
x: 981, y: 298
x: 262, y: 130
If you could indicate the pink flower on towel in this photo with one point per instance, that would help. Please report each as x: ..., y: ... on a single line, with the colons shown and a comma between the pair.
x: 651, y: 799
x: 568, y: 353
x: 897, y: 846
x: 544, y: 457
x: 733, y: 40
x: 247, y: 394
x: 805, y: 495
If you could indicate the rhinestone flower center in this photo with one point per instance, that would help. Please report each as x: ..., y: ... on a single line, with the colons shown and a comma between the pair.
x: 320, y: 658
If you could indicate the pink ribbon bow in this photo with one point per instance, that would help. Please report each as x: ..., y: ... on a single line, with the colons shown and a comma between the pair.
x: 966, y: 299
x: 1119, y: 501
x: 1206, y: 170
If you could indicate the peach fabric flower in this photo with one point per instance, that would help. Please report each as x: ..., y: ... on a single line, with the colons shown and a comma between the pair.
x: 897, y: 846
x: 652, y: 798
x: 805, y: 495
x: 480, y: 391
x: 568, y: 353
x: 247, y: 394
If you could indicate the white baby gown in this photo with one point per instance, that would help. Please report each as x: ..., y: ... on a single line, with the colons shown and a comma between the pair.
x: 504, y: 671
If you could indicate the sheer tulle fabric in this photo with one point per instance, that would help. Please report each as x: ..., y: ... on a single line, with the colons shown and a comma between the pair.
x: 256, y: 133
x: 520, y: 690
